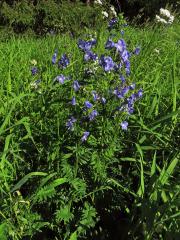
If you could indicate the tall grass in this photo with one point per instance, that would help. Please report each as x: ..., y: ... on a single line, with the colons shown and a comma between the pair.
x: 143, y: 200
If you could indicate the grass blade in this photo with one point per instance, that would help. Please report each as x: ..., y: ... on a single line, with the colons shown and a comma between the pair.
x: 141, y: 188
x: 26, y: 178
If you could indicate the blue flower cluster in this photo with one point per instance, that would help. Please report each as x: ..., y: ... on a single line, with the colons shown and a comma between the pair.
x: 124, y: 55
x: 116, y: 102
x: 86, y: 46
x: 63, y: 61
x: 124, y: 91
x: 34, y: 70
x: 128, y: 103
x: 107, y: 63
x: 70, y: 123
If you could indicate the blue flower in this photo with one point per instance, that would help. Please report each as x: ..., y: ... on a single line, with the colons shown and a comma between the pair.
x: 124, y: 125
x: 130, y: 110
x: 132, y: 86
x: 70, y: 123
x: 88, y: 104
x: 85, y: 136
x: 122, y: 78
x: 130, y: 103
x: 125, y: 55
x: 76, y: 85
x: 124, y: 91
x: 64, y: 61
x: 103, y: 100
x: 131, y: 99
x: 34, y: 71
x: 73, y: 101
x: 89, y: 55
x: 54, y: 57
x: 112, y: 23
x: 86, y: 45
x: 92, y: 115
x: 107, y: 63
x: 95, y: 96
x: 140, y: 93
x: 120, y: 45
x: 61, y: 78
x: 127, y: 67
x: 121, y: 93
x: 137, y: 51
x: 109, y: 44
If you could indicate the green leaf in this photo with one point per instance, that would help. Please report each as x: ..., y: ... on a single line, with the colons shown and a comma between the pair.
x: 88, y: 216
x: 3, y: 158
x: 46, y: 179
x: 58, y: 182
x: 114, y: 182
x: 164, y: 196
x: 26, y: 178
x: 153, y: 167
x: 170, y: 115
x: 73, y: 236
x: 141, y: 188
x: 64, y: 214
x: 142, y: 139
x: 167, y: 173
x: 3, y: 231
x: 48, y: 191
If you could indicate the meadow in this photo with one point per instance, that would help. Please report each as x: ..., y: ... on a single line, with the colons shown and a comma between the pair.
x: 70, y: 172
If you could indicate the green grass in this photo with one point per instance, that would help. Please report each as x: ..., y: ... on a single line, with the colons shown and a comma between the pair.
x: 32, y: 142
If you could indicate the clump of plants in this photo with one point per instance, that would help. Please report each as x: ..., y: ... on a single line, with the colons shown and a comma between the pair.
x: 79, y: 172
x: 49, y: 17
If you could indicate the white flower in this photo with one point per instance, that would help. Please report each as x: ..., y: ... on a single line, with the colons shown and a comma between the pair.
x: 35, y: 84
x: 156, y: 50
x: 113, y: 11
x: 165, y: 12
x: 163, y: 21
x: 171, y: 19
x: 105, y: 14
x: 98, y: 2
x: 159, y: 19
x: 33, y: 62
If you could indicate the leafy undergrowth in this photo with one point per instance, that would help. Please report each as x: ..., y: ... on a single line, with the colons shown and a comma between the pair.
x: 89, y: 149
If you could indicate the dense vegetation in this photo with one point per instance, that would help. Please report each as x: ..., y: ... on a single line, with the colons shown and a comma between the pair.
x: 47, y: 16
x: 41, y: 17
x: 89, y: 134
